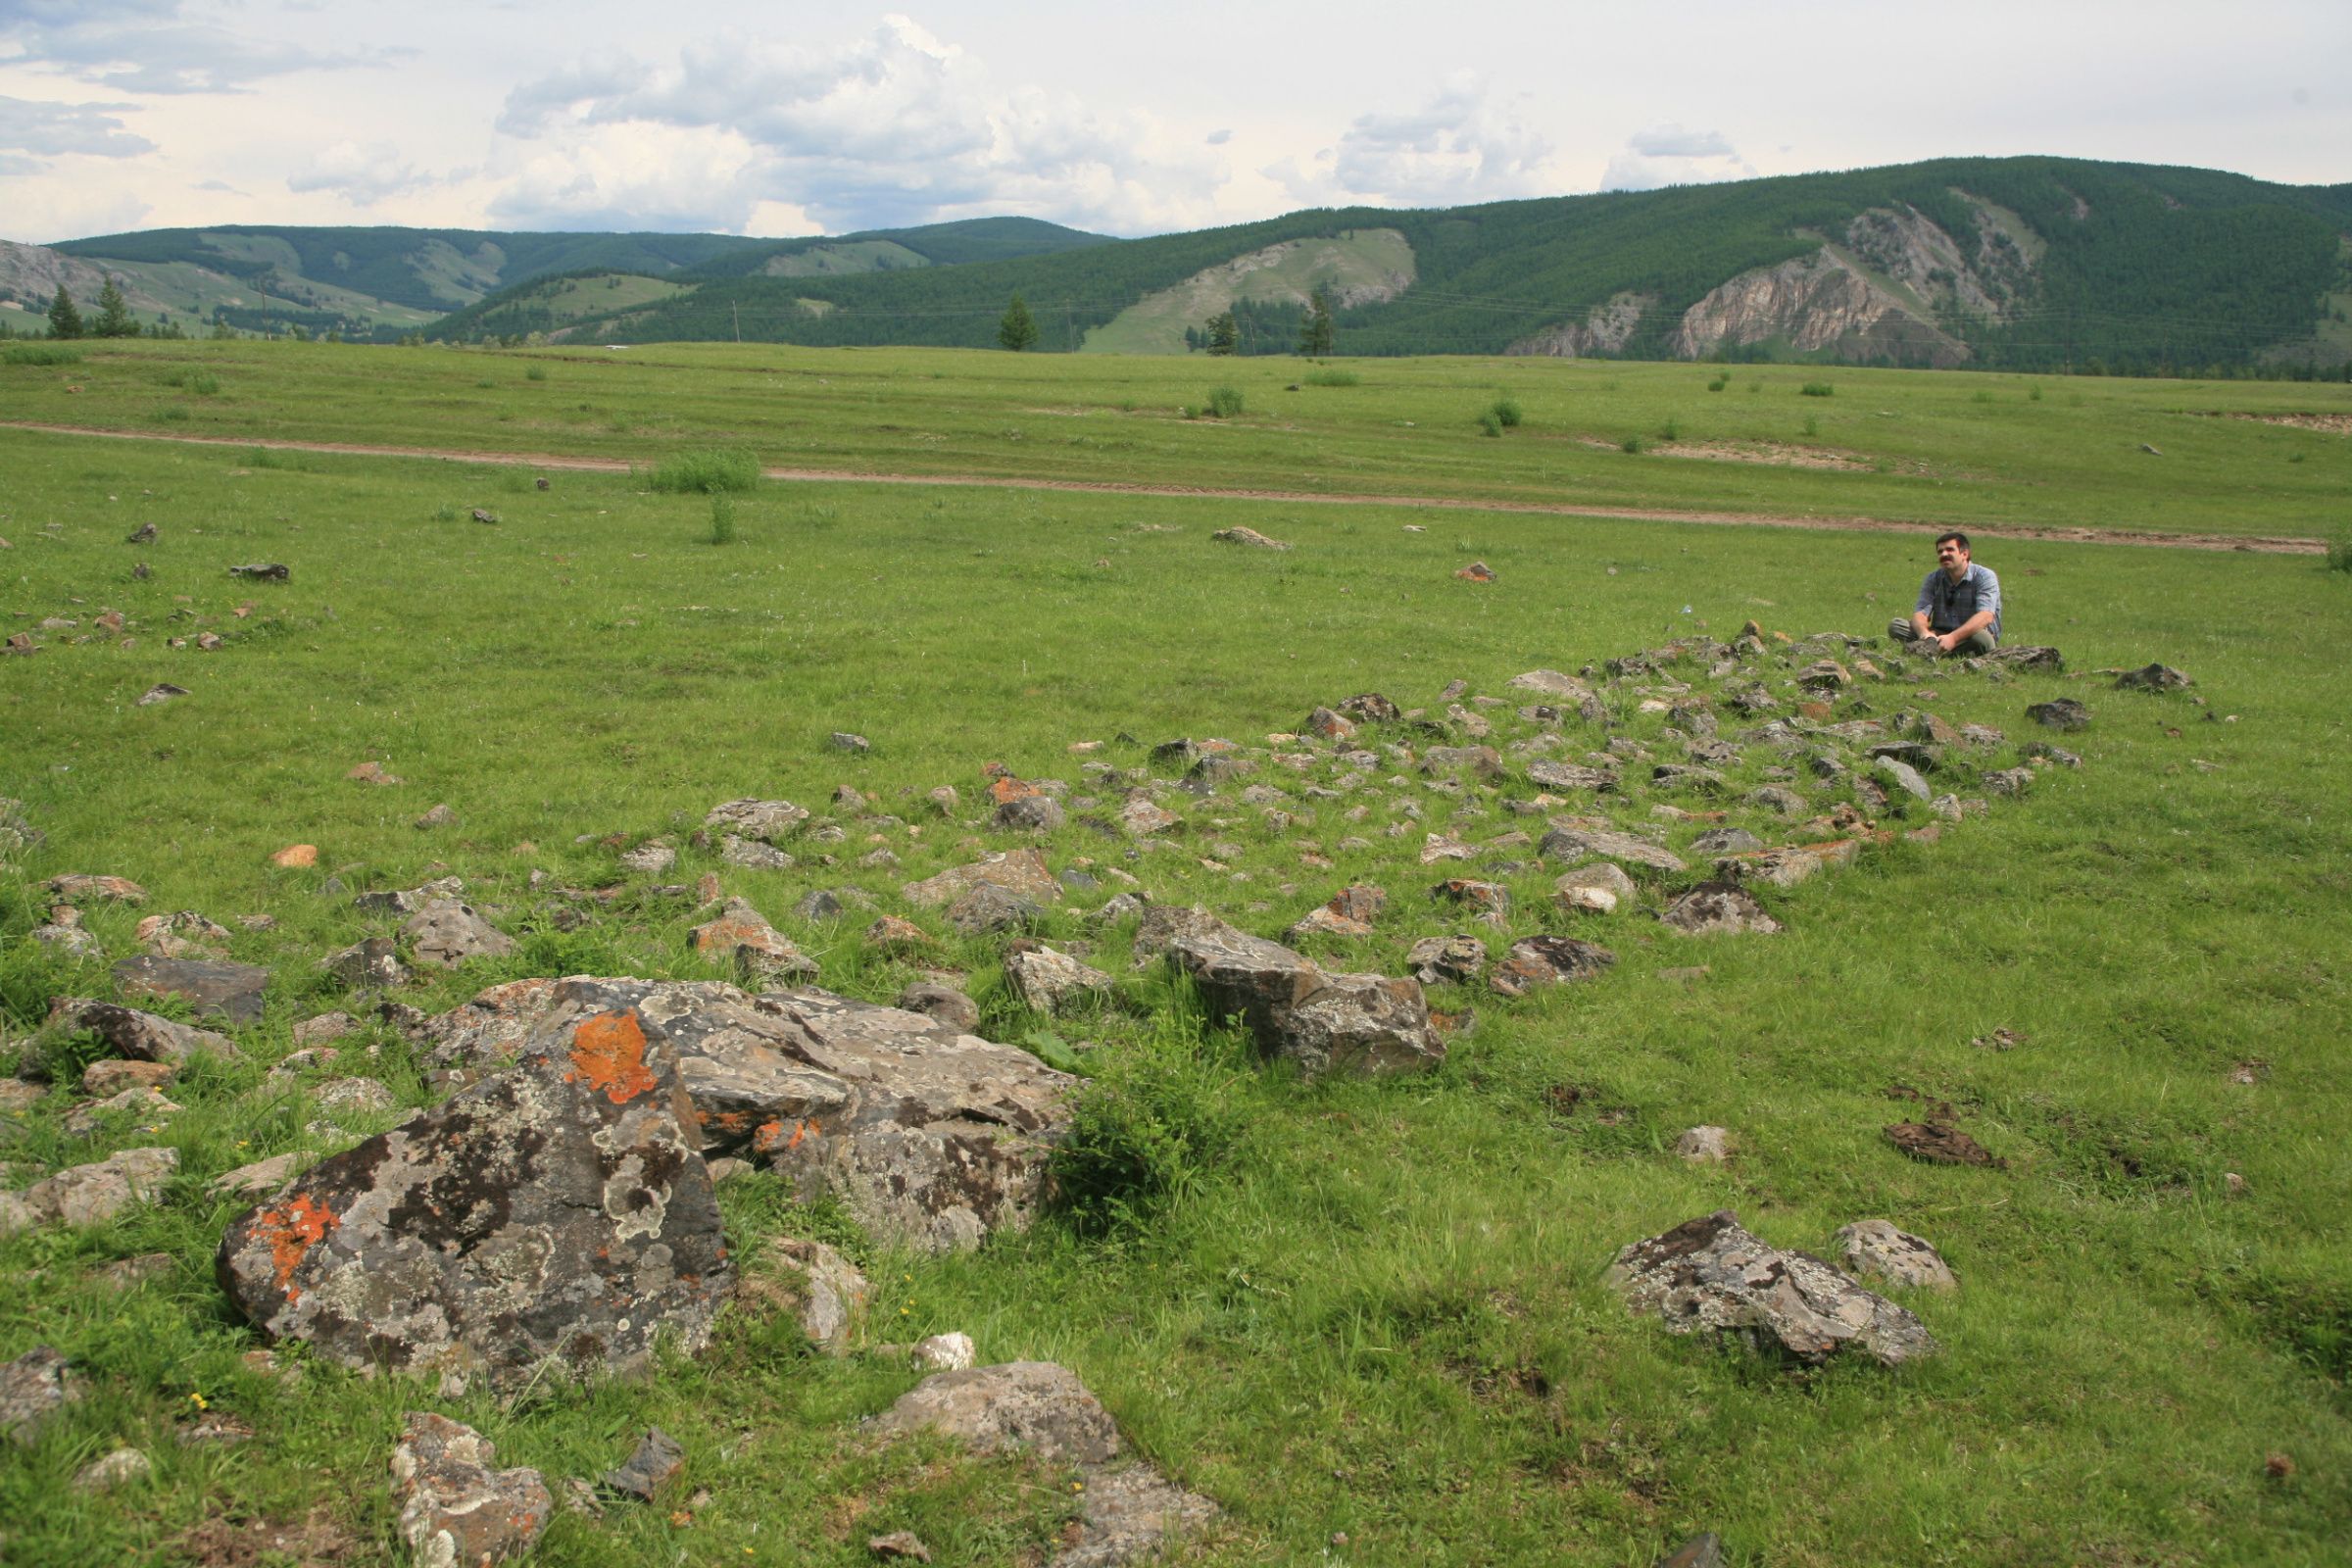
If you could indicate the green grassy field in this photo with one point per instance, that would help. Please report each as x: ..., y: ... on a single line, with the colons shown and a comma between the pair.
x: 1370, y: 1310
x: 1966, y: 450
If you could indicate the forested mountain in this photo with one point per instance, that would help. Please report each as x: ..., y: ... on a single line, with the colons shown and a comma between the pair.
x: 2020, y: 262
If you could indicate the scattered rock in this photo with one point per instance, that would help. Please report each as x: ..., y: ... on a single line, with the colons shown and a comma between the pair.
x: 1247, y: 536
x: 656, y: 1463
x: 140, y: 1035
x: 1326, y: 724
x: 1030, y: 813
x: 1700, y: 1552
x: 1545, y: 960
x: 365, y: 1095
x: 446, y: 933
x: 771, y: 821
x: 824, y: 1291
x: 262, y: 571
x: 1704, y: 1145
x: 1941, y: 1145
x: 1714, y: 908
x: 898, y: 1544
x: 77, y: 886
x: 34, y: 1389
x: 143, y: 1104
x: 1782, y: 867
x: 295, y: 856
x: 118, y: 1468
x: 131, y: 1272
x: 649, y: 859
x: 1711, y: 1274
x: 991, y: 907
x: 1435, y: 960
x: 1049, y: 981
x: 1037, y: 1405
x: 743, y: 935
x: 323, y: 1028
x: 1570, y: 776
x: 1023, y: 871
x: 1462, y: 890
x: 2153, y: 678
x: 101, y: 1079
x: 455, y: 1510
x: 1875, y: 1247
x: 943, y: 1004
x: 1904, y: 777
x: 945, y: 1352
x: 844, y: 741
x: 262, y: 1177
x: 1355, y: 1022
x: 1477, y: 572
x: 2060, y: 713
x: 1370, y: 707
x: 2010, y: 782
x: 372, y: 774
x: 893, y: 935
x: 90, y: 1194
x: 439, y: 817
x: 160, y: 692
x: 1575, y: 846
x: 1483, y: 761
x: 372, y: 964
x: 558, y: 1212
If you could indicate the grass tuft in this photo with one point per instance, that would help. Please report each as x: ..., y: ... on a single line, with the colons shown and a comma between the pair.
x: 1224, y: 403
x: 1332, y: 378
x: 37, y: 354
x: 1817, y: 389
x: 707, y: 472
x: 723, y: 521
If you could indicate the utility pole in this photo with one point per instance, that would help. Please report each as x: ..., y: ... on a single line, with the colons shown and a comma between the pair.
x: 738, y: 309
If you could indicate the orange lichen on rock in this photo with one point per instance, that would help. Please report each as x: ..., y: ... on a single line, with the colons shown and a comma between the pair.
x: 290, y: 1233
x: 609, y: 1052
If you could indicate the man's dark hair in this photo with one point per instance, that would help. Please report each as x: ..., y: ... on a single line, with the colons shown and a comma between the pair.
x: 1955, y: 537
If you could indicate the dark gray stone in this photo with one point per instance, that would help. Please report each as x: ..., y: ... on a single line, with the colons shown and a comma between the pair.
x: 2060, y: 713
x: 1575, y: 846
x: 140, y: 1036
x: 2153, y: 678
x: 1717, y: 908
x: 944, y: 1005
x: 556, y: 1214
x: 231, y: 991
x: 1726, y: 841
x: 993, y: 906
x: 654, y: 1465
x: 1548, y: 961
x: 1030, y: 813
x: 373, y: 964
x: 34, y: 1389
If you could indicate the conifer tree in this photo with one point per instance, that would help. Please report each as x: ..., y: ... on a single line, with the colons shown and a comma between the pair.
x: 114, y: 313
x: 64, y: 319
x: 1316, y: 332
x: 1017, y: 330
x: 1224, y: 334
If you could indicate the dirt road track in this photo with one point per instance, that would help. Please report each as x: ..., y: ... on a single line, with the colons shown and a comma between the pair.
x: 1737, y: 519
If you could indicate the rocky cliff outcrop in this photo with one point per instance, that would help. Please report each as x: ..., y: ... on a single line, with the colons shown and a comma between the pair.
x: 1605, y: 330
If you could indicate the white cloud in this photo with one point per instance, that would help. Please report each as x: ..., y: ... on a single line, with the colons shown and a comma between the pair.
x: 1218, y: 138
x: 1666, y: 154
x: 150, y: 46
x: 52, y: 129
x: 361, y: 175
x: 896, y: 127
x: 1457, y: 147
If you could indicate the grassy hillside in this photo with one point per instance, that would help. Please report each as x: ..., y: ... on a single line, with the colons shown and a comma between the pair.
x: 1912, y: 447
x: 2137, y: 265
x: 1367, y: 1319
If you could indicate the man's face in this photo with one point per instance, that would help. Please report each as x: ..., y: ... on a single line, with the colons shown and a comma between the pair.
x: 1951, y: 557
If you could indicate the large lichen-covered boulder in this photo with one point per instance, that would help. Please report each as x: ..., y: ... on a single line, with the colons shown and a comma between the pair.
x: 1708, y: 1274
x: 1346, y: 1022
x: 939, y: 1138
x: 556, y: 1214
x: 931, y: 1136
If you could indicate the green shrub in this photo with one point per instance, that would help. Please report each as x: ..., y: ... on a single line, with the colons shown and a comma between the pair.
x: 1491, y: 425
x: 723, y: 521
x: 485, y: 381
x: 1817, y: 389
x: 537, y: 372
x: 1812, y: 428
x: 176, y: 378
x: 203, y: 385
x: 445, y: 513
x: 1631, y: 443
x: 38, y: 353
x: 173, y: 411
x: 1507, y: 413
x: 1670, y: 431
x: 2035, y: 394
x: 1224, y: 403
x: 2339, y: 553
x: 707, y: 472
x: 1720, y: 382
x: 1332, y: 378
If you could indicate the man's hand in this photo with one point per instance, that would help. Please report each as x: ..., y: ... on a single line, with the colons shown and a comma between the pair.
x: 1945, y: 641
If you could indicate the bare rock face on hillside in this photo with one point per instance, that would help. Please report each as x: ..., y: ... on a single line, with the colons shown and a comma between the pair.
x: 1709, y: 1274
x: 554, y: 1214
x: 1346, y: 1022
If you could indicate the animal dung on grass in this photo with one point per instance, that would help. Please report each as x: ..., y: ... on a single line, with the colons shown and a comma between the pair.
x: 556, y: 1215
x: 295, y: 856
x: 1477, y: 572
x: 372, y: 774
x: 1710, y: 1275
x: 1939, y: 1143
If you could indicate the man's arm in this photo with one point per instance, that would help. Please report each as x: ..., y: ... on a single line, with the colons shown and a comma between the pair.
x: 1926, y: 602
x: 1961, y: 633
x: 1988, y: 610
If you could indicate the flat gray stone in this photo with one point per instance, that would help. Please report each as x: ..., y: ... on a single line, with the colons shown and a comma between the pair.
x: 34, y: 1389
x: 231, y: 991
x: 1875, y: 1247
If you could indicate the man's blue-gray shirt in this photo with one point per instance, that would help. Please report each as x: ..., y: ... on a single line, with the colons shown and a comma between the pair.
x: 1948, y: 605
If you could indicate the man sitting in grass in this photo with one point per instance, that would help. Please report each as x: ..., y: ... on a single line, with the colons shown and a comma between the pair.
x: 1959, y: 606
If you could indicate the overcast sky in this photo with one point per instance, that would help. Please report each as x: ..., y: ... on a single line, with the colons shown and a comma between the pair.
x: 794, y: 119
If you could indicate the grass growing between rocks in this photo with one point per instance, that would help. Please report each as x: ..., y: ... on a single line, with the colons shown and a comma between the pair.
x: 1369, y: 1309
